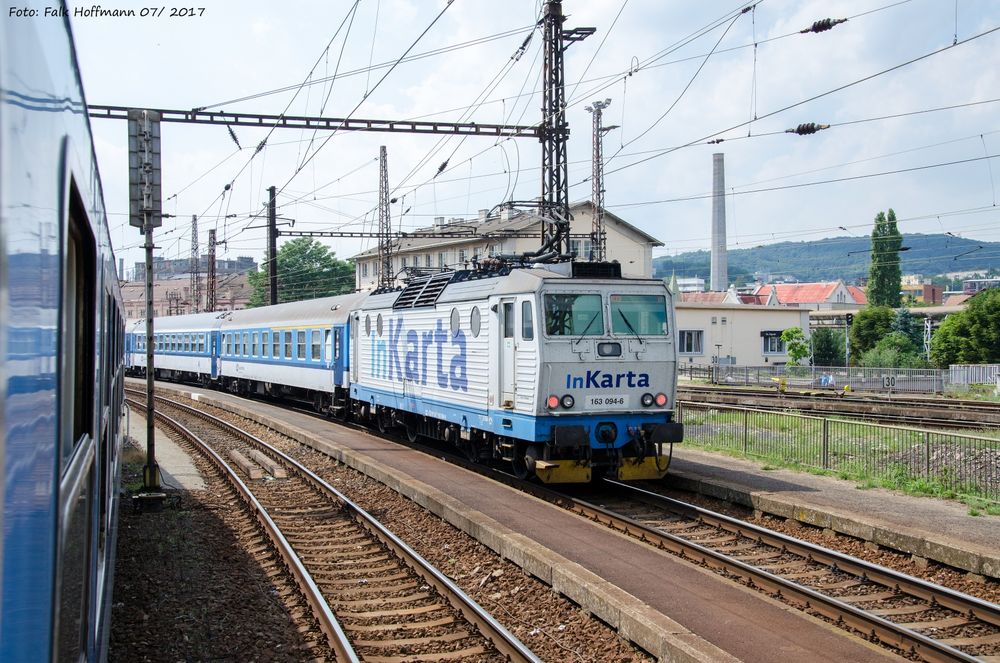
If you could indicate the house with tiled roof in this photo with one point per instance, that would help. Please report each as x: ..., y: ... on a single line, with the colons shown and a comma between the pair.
x: 818, y: 296
x: 431, y: 249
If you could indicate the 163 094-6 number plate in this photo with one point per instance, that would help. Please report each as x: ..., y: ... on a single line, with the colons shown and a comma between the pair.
x: 607, y: 401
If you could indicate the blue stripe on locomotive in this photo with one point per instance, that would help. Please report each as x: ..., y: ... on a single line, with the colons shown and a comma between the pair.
x: 528, y: 427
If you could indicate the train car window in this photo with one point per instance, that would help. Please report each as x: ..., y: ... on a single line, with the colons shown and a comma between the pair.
x: 378, y: 324
x: 253, y: 344
x: 78, y: 330
x: 368, y: 325
x: 246, y: 344
x: 262, y: 348
x: 508, y: 320
x: 527, y: 322
x: 456, y: 321
x: 332, y: 352
x: 573, y: 315
x: 475, y: 321
x: 276, y: 345
x: 644, y: 315
x: 300, y: 342
x: 315, y: 352
x: 288, y: 344
x: 77, y: 397
x: 201, y: 344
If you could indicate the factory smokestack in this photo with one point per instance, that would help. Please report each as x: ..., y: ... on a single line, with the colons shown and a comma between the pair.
x: 720, y: 276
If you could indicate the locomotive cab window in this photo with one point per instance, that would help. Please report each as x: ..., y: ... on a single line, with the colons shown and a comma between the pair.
x: 573, y: 315
x: 640, y: 315
x: 527, y: 322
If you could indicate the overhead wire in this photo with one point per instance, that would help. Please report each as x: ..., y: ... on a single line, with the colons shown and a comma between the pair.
x: 812, y: 98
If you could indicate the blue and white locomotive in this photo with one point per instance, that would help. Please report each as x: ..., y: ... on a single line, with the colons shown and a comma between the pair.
x: 61, y: 350
x: 558, y: 374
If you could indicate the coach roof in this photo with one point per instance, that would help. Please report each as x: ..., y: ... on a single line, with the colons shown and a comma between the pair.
x: 311, y: 312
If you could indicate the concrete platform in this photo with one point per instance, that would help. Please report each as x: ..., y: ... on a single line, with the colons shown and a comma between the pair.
x: 177, y: 472
x: 925, y: 527
x: 671, y: 608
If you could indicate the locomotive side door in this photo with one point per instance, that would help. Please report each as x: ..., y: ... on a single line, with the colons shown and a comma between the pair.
x: 507, y: 350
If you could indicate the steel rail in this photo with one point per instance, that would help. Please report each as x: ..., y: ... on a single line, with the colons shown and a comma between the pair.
x: 828, y: 396
x: 328, y: 623
x: 505, y: 642
x: 943, y: 596
x: 850, y: 415
x: 886, y: 631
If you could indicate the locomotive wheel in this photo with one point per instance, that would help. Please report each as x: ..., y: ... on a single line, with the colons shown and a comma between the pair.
x: 383, y: 418
x: 524, y: 460
x: 470, y: 450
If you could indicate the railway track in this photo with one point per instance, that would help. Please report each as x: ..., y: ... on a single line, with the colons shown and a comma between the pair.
x: 373, y: 597
x: 938, y: 413
x: 909, y: 614
x: 930, y: 622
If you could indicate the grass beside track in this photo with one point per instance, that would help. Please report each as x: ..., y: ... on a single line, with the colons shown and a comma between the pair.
x: 937, y: 464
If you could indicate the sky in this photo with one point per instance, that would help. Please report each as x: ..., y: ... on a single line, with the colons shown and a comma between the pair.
x: 677, y: 74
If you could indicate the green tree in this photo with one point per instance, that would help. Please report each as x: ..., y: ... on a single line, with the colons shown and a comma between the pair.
x: 907, y: 324
x: 884, y: 276
x: 796, y: 344
x: 894, y: 350
x: 870, y: 325
x: 971, y: 336
x: 306, y: 269
x: 828, y: 347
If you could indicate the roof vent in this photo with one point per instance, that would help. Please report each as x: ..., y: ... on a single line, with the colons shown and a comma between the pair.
x: 423, y: 291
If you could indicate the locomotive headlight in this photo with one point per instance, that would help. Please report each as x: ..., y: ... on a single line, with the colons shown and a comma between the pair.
x: 552, y: 402
x: 647, y: 400
x: 661, y: 399
x: 568, y: 401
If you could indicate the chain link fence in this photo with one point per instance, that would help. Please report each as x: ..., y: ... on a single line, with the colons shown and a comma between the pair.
x: 931, y: 461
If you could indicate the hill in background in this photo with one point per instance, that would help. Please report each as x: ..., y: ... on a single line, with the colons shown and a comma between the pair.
x: 836, y: 258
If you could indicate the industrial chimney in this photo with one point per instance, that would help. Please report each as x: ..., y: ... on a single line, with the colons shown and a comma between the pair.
x: 720, y: 276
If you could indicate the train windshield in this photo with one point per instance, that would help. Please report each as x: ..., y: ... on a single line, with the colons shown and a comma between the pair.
x: 573, y: 315
x: 642, y: 315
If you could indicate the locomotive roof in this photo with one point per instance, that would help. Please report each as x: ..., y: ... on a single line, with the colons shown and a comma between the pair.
x: 322, y: 311
x: 465, y: 286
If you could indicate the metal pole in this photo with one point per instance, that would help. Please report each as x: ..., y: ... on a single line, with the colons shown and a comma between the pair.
x: 847, y: 345
x: 272, y: 245
x: 151, y: 472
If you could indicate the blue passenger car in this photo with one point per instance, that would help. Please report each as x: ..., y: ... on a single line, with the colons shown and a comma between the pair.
x: 61, y: 348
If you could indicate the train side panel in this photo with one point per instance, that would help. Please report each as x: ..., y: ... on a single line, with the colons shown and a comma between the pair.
x: 61, y: 332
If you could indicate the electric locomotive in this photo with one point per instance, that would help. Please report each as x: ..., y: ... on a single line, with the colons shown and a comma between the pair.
x: 559, y: 374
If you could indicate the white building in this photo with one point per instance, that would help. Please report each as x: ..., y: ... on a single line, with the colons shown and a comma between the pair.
x: 743, y: 334
x: 691, y: 284
x: 624, y: 243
